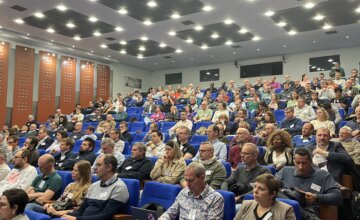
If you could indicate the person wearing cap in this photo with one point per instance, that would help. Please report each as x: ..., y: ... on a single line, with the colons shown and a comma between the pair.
x: 171, y: 166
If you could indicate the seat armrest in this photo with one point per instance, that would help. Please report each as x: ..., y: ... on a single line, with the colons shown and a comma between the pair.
x: 328, y: 212
x: 122, y: 217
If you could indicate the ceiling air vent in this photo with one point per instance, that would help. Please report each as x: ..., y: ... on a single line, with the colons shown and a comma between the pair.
x: 331, y: 32
x: 187, y: 22
x: 167, y: 57
x: 110, y: 38
x: 18, y: 8
x: 236, y: 46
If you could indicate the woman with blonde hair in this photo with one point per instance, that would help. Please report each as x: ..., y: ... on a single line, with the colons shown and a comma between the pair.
x: 279, y: 152
x: 171, y: 166
x: 322, y: 121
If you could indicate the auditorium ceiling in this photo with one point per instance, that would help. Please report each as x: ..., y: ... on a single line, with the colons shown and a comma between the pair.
x: 166, y: 34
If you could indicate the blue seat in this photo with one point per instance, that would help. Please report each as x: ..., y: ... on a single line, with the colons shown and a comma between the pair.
x: 230, y: 137
x: 66, y: 179
x: 148, y: 126
x: 161, y: 193
x: 197, y: 139
x: 261, y: 151
x: 227, y: 166
x: 279, y: 114
x: 165, y: 127
x: 77, y: 146
x: 133, y: 186
x: 278, y: 90
x: 293, y: 203
x: 36, y: 216
x: 97, y: 145
x: 272, y: 169
x: 202, y: 124
x: 131, y: 110
x: 127, y: 150
x: 188, y: 161
x: 342, y: 124
x: 86, y: 124
x: 153, y: 159
x: 137, y: 127
x: 21, y: 141
x: 282, y: 104
x: 140, y: 110
x: 229, y: 204
x: 138, y: 137
x: 350, y: 111
x: 214, y: 95
x: 342, y: 113
x: 137, y: 116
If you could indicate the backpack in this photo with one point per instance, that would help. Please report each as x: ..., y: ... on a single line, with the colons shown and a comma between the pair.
x: 355, y: 205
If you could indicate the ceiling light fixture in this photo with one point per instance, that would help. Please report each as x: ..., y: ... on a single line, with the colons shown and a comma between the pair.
x: 151, y: 4
x: 172, y: 33
x: 93, y: 19
x: 207, y: 8
x: 123, y: 11
x: 198, y: 28
x: 269, y: 13
x: 142, y: 48
x: 309, y: 5
x: 123, y: 51
x: 97, y: 34
x: 175, y: 15
x: 256, y: 38
x: 178, y: 51
x: 281, y: 24
x: 347, y: 37
x: 70, y: 25
x: 189, y: 40
x: 330, y: 60
x: 119, y: 29
x: 284, y: 46
x: 144, y: 38
x: 147, y: 22
x: 123, y: 42
x: 326, y: 26
x: 228, y: 21
x: 204, y: 47
x: 243, y: 30
x: 292, y: 32
x: 19, y: 21
x: 140, y: 56
x: 162, y: 45
x: 103, y: 46
x: 319, y: 17
x: 77, y: 38
x: 39, y: 15
x: 61, y: 7
x: 50, y: 30
x: 228, y: 43
x: 357, y: 10
x: 214, y: 36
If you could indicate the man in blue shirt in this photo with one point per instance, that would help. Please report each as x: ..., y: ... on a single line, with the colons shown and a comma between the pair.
x: 306, y: 136
x: 290, y: 123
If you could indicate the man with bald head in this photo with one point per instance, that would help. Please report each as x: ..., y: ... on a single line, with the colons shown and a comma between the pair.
x: 351, y: 146
x: 46, y: 186
x: 242, y: 136
x: 204, y: 113
x: 77, y: 133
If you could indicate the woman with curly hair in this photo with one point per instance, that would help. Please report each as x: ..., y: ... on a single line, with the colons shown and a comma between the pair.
x: 279, y: 152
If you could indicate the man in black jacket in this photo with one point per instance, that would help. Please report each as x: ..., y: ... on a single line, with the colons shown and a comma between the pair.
x: 85, y: 153
x: 137, y: 166
x: 65, y: 153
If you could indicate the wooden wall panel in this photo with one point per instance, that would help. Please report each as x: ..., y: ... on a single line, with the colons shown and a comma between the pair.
x: 86, y: 83
x: 23, y: 86
x: 47, y: 85
x: 4, y: 68
x: 67, y: 84
x: 103, y: 82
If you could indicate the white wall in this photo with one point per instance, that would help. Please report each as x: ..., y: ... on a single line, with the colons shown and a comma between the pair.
x: 295, y: 66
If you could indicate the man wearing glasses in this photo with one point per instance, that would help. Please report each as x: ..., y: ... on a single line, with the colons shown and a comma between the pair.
x: 22, y: 175
x: 12, y: 147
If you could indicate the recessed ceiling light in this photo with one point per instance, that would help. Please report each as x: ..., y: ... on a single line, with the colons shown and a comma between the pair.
x: 207, y: 8
x: 198, y: 28
x: 309, y: 5
x: 175, y: 15
x: 319, y: 17
x: 147, y: 22
x: 70, y: 25
x: 347, y: 37
x: 73, y: 46
x: 0, y: 26
x: 142, y: 48
x: 281, y: 24
x: 123, y: 51
x: 97, y: 34
x: 93, y: 19
x: 292, y: 32
x: 269, y: 13
x: 119, y: 29
x: 314, y: 42
x: 326, y: 26
x: 103, y: 46
x: 162, y: 45
x: 228, y: 21
x: 189, y: 40
x: 144, y: 38
x: 229, y: 42
x: 50, y: 30
x: 330, y: 60
x: 172, y: 33
x: 258, y: 49
x: 39, y: 15
x: 284, y: 45
x: 123, y: 42
x: 214, y: 36
x: 256, y: 38
x: 243, y: 30
x: 140, y: 56
x: 19, y: 21
x: 313, y: 67
x: 204, y: 47
x: 77, y: 38
x: 155, y: 63
x: 178, y: 51
x: 357, y: 10
x: 123, y: 11
x: 151, y: 4
x: 61, y: 7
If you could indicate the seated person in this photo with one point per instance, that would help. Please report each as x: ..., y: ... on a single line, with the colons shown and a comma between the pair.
x: 155, y: 147
x: 265, y: 190
x: 108, y: 147
x: 89, y: 132
x: 204, y: 113
x: 215, y: 172
x: 137, y: 166
x: 170, y: 166
x: 182, y: 137
x: 322, y: 121
x: 315, y: 186
x: 106, y: 197
x: 182, y: 122
x: 30, y: 145
x: 306, y: 136
x: 242, y: 137
x: 46, y: 186
x: 183, y: 207
x: 14, y: 201
x: 243, y: 177
x: 303, y: 111
x: 65, y: 152
x: 290, y: 123
x: 55, y: 146
x: 351, y: 146
x: 125, y: 134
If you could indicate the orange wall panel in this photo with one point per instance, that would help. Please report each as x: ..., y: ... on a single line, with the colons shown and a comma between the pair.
x: 23, y: 86
x: 103, y: 82
x: 4, y: 67
x: 86, y: 83
x: 47, y: 85
x: 67, y: 84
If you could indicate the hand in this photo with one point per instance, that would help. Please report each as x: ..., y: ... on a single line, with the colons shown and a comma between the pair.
x: 355, y: 133
x: 321, y: 152
x: 310, y: 198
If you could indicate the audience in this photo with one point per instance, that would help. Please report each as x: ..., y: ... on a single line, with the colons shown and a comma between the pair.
x: 4, y: 168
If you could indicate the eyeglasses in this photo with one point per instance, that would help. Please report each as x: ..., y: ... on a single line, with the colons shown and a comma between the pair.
x: 204, y: 150
x: 2, y: 204
x: 16, y: 157
x: 245, y: 153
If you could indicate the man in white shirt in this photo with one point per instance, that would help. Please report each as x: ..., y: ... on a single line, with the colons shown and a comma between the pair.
x: 303, y: 111
x: 22, y: 175
x: 183, y: 122
x: 155, y: 147
x: 107, y: 147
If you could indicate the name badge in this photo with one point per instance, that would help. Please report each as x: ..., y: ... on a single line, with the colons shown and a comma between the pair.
x: 167, y: 173
x: 268, y: 216
x: 77, y: 157
x: 208, y: 172
x: 306, y: 140
x: 103, y: 195
x: 128, y: 168
x: 70, y: 195
x: 315, y: 187
x: 41, y: 185
x: 291, y: 126
x: 43, y: 143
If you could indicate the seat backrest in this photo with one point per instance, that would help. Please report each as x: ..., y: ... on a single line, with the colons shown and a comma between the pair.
x: 198, y: 138
x: 227, y: 166
x: 21, y: 141
x: 77, y: 145
x: 167, y: 125
x: 133, y: 186
x: 229, y: 204
x: 66, y: 179
x: 36, y: 216
x: 137, y: 126
x: 279, y: 114
x: 161, y: 193
x: 127, y: 150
